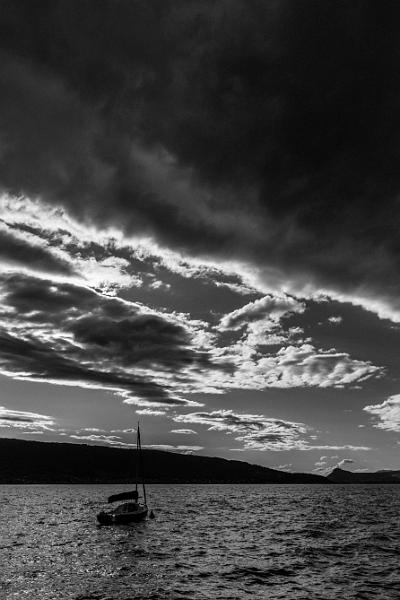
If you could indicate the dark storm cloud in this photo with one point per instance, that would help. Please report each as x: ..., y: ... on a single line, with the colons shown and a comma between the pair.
x: 35, y: 360
x: 142, y: 339
x: 45, y: 301
x: 64, y: 333
x: 104, y: 325
x: 20, y: 252
x: 264, y: 130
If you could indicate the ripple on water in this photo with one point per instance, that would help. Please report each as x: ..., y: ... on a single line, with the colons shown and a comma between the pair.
x: 219, y: 542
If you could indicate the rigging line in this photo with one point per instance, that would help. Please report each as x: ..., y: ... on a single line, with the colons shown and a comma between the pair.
x: 141, y: 464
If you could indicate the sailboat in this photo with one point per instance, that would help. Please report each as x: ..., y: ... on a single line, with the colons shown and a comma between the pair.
x: 128, y: 512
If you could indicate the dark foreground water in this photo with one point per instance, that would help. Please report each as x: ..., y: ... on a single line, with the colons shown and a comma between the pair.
x: 207, y: 541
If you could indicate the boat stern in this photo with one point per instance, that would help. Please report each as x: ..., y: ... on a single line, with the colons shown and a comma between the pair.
x: 104, y: 518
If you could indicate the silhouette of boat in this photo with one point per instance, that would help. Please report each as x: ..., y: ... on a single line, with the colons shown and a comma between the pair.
x: 128, y: 512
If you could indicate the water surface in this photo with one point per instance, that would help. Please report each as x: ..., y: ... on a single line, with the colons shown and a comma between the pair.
x: 208, y: 541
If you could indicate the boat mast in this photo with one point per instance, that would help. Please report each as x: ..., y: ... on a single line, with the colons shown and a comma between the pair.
x: 139, y: 448
x: 137, y: 461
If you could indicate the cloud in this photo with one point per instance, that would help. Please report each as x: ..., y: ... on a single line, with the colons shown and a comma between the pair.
x: 387, y: 413
x: 35, y: 237
x: 184, y: 431
x: 270, y: 308
x: 321, y: 466
x: 137, y: 338
x: 170, y: 448
x: 343, y: 447
x: 127, y: 430
x: 268, y: 353
x: 260, y: 433
x: 321, y: 368
x: 64, y: 332
x: 93, y: 430
x: 256, y: 132
x: 68, y: 334
x: 290, y: 366
x: 256, y: 432
x: 345, y: 461
x: 25, y: 420
x: 335, y: 320
x: 28, y: 253
x: 105, y: 260
x: 109, y: 440
x: 151, y: 412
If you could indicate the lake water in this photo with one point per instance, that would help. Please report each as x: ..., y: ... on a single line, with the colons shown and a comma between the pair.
x: 207, y: 541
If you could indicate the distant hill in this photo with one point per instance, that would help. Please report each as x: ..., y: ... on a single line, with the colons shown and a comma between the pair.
x: 395, y: 474
x: 46, y: 462
x: 341, y: 476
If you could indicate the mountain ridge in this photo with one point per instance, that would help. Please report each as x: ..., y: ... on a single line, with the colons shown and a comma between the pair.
x: 29, y: 462
x: 26, y: 461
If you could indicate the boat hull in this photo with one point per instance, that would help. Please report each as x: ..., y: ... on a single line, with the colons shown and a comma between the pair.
x: 130, y: 517
x: 112, y: 518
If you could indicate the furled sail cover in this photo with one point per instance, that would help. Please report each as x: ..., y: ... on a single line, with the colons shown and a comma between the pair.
x: 134, y: 495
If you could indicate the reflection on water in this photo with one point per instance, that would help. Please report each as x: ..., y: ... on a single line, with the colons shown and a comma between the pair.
x: 207, y: 541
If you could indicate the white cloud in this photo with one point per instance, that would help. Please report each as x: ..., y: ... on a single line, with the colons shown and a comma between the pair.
x: 108, y: 275
x: 335, y: 320
x: 93, y: 430
x: 291, y: 366
x: 345, y: 461
x: 151, y: 412
x: 271, y: 308
x: 128, y: 430
x: 322, y: 465
x: 387, y: 413
x: 170, y: 448
x: 184, y: 431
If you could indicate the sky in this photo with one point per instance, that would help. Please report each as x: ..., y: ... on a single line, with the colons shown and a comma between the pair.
x: 199, y: 215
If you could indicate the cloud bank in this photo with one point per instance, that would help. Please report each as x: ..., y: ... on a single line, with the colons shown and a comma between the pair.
x: 266, y: 133
x: 258, y: 432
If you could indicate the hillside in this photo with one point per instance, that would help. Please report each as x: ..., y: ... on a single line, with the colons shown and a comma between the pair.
x: 46, y: 462
x: 340, y: 476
